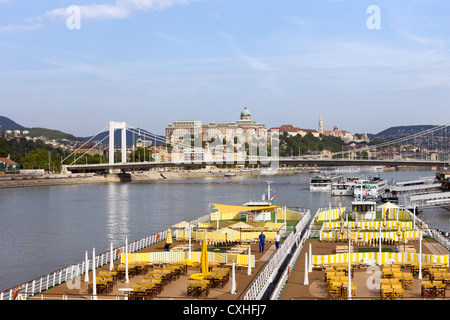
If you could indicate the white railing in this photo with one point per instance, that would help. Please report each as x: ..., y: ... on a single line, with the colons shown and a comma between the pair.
x: 267, y: 274
x: 285, y: 276
x: 74, y: 271
x: 441, y: 239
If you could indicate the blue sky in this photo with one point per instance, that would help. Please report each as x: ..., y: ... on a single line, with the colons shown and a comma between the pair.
x: 151, y: 62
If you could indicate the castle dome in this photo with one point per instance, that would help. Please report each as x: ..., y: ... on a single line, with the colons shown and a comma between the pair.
x: 245, y: 114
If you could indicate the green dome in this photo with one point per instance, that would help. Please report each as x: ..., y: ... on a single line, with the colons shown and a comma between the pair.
x: 245, y: 112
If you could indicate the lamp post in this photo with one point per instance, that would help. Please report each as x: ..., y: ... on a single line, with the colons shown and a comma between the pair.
x: 349, y: 289
x: 379, y: 243
x: 94, y: 280
x: 126, y: 260
x: 111, y: 264
x: 402, y: 239
x: 86, y: 268
x: 420, y: 257
x: 305, y: 279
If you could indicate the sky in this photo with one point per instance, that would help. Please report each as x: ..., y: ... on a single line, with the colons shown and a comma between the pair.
x: 364, y: 65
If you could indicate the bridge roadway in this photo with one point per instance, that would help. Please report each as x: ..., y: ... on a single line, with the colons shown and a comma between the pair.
x: 264, y: 161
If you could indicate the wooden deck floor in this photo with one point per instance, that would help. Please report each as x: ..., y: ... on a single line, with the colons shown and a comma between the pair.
x: 173, y: 290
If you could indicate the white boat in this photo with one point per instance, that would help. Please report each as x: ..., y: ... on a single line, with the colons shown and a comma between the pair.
x: 259, y: 216
x: 371, y: 188
x: 230, y: 175
x: 344, y: 188
x: 323, y: 182
x: 375, y: 168
x: 268, y: 171
x: 348, y: 169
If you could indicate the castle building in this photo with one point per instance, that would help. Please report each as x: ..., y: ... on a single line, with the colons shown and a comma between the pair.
x: 344, y: 135
x: 245, y: 126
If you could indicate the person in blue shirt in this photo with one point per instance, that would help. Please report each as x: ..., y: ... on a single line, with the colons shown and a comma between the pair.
x: 262, y: 240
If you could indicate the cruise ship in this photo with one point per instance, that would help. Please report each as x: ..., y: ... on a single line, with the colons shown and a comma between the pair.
x: 321, y: 183
x: 370, y: 188
x: 344, y: 187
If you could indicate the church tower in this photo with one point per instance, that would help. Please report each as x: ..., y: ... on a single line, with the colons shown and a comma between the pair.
x: 321, y: 124
x: 139, y: 143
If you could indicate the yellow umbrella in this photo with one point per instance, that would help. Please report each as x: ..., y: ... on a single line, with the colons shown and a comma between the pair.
x: 169, y: 236
x: 204, y: 258
x: 241, y: 225
x: 182, y: 225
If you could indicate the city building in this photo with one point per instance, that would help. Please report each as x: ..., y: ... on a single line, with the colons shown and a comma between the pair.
x: 344, y: 135
x: 293, y: 131
x: 181, y: 132
x: 288, y: 128
x: 9, y: 166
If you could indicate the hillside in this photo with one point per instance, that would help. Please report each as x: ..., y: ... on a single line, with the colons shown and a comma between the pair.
x: 393, y: 133
x: 51, y: 134
x: 8, y: 124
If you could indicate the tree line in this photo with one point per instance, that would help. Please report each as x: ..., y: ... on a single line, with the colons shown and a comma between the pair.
x: 39, y: 155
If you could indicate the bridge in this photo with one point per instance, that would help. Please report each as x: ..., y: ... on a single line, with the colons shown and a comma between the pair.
x: 196, y: 156
x: 127, y: 166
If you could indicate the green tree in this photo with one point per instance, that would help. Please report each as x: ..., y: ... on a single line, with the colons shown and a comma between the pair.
x: 36, y: 159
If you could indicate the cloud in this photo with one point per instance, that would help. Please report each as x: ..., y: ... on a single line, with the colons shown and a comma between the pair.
x: 120, y: 9
x: 255, y: 63
x: 90, y: 12
x: 11, y: 28
x: 178, y: 41
x: 143, y: 5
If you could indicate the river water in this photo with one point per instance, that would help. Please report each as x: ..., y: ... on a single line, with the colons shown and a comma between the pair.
x: 43, y: 229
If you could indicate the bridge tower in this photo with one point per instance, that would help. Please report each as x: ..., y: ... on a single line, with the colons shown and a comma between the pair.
x: 112, y: 127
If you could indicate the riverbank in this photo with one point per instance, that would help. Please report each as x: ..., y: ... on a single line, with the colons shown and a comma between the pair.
x: 18, y: 181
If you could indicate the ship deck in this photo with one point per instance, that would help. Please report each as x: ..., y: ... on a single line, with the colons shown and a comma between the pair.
x: 317, y: 289
x: 175, y: 289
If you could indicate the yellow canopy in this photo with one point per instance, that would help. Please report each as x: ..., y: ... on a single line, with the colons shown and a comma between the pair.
x: 240, y: 225
x: 224, y: 208
x: 227, y: 230
x: 182, y: 224
x: 388, y: 205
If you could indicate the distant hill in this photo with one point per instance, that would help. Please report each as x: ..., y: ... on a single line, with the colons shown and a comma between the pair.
x: 8, y: 124
x: 399, y: 132
x: 51, y: 134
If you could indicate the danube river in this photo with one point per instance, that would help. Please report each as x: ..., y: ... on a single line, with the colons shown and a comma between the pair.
x: 44, y: 229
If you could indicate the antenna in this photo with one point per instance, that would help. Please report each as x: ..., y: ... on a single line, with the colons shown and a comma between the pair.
x: 268, y: 189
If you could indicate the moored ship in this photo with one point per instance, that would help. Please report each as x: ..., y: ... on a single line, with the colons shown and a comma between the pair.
x: 344, y: 187
x: 371, y: 188
x: 320, y: 183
